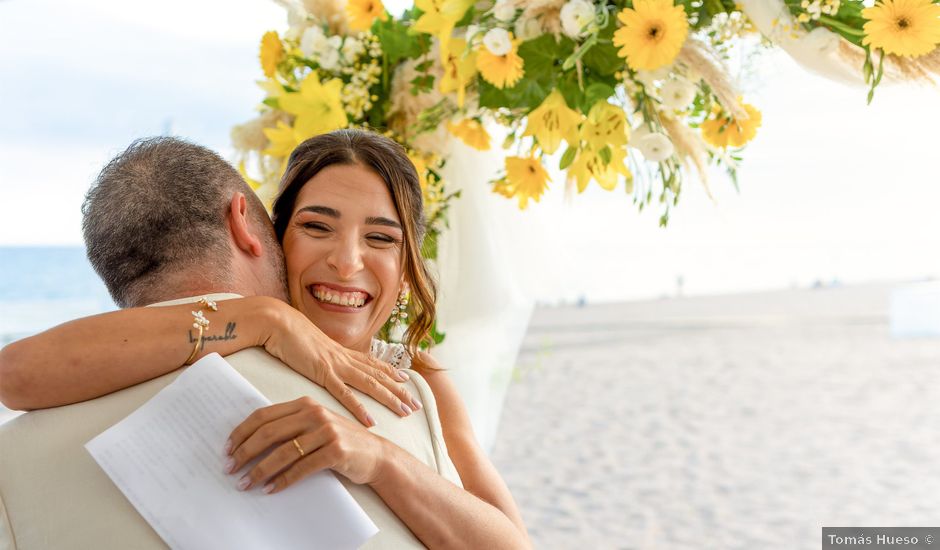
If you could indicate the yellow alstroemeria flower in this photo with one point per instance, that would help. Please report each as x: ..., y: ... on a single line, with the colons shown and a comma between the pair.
x: 282, y: 138
x: 317, y: 106
x: 459, y: 68
x: 553, y: 121
x: 471, y: 132
x: 589, y: 165
x: 721, y: 130
x: 527, y: 179
x: 606, y: 124
x: 272, y: 53
x: 440, y: 16
x: 361, y: 13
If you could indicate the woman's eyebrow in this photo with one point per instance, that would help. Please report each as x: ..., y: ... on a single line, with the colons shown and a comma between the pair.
x: 383, y: 221
x: 325, y: 210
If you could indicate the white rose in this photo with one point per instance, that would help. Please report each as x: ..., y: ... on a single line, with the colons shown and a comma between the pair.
x: 313, y: 41
x: 677, y: 94
x: 527, y: 28
x: 497, y: 41
x: 655, y: 147
x: 575, y: 15
x: 504, y: 11
x: 329, y: 59
x: 352, y: 48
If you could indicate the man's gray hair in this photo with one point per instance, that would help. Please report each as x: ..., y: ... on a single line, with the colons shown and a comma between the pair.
x: 159, y: 209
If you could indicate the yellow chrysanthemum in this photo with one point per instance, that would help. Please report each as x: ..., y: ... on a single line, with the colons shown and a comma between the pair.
x: 361, y: 13
x: 590, y: 165
x: 459, y: 68
x: 720, y: 130
x: 282, y: 140
x: 526, y: 179
x: 553, y: 121
x: 439, y: 16
x: 502, y: 71
x: 903, y: 27
x: 606, y: 124
x: 652, y: 33
x: 272, y: 53
x: 317, y: 106
x: 471, y: 132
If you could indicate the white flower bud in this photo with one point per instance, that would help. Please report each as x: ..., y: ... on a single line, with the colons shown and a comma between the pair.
x: 575, y: 16
x: 677, y: 94
x: 655, y: 147
x: 527, y: 28
x: 497, y: 41
x: 504, y: 11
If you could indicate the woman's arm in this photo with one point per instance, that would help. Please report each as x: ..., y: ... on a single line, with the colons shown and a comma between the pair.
x: 439, y: 513
x: 96, y: 355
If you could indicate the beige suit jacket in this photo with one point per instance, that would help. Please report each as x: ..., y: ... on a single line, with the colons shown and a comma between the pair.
x: 53, y: 495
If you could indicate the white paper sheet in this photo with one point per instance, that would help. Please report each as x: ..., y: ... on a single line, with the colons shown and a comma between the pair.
x: 167, y: 458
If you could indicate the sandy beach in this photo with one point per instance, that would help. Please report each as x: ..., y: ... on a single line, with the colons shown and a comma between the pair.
x: 744, y: 421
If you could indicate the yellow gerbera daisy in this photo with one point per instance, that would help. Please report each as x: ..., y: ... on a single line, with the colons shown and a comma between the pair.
x: 471, y: 132
x: 502, y: 71
x: 720, y: 130
x: 527, y: 179
x: 553, y: 121
x: 652, y: 33
x: 272, y: 53
x: 903, y: 27
x: 361, y: 13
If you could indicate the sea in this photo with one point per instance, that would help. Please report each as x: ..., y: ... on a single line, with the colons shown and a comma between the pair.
x: 41, y: 287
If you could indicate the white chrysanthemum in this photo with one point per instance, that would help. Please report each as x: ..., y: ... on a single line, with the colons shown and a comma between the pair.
x: 329, y: 59
x: 655, y: 147
x: 527, y: 28
x: 313, y: 41
x: 504, y: 11
x: 497, y: 41
x: 575, y: 16
x: 352, y: 48
x: 677, y: 93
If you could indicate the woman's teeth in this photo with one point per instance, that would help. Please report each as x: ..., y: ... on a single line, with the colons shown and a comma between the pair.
x: 349, y: 299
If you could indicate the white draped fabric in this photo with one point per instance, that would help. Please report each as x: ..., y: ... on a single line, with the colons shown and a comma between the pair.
x: 487, y: 265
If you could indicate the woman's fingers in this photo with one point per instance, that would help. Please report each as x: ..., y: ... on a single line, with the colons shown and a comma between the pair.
x: 283, y: 457
x: 257, y: 419
x: 310, y: 464
x: 372, y: 386
x: 339, y: 390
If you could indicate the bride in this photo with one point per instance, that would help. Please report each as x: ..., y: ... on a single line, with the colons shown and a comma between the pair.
x: 350, y: 220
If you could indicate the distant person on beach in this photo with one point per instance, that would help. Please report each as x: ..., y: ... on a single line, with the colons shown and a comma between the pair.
x: 169, y: 223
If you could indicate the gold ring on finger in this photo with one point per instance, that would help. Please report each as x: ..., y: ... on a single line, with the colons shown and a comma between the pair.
x: 299, y: 448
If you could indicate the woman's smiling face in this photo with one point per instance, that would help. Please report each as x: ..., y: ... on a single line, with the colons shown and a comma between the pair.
x: 343, y: 248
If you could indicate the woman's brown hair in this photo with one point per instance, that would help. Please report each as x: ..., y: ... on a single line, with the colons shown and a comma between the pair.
x: 389, y: 161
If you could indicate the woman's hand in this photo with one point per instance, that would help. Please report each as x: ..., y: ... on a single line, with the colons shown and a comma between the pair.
x: 301, y: 345
x: 323, y: 439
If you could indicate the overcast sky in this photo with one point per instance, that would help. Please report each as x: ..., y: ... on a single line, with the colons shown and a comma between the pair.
x: 831, y: 189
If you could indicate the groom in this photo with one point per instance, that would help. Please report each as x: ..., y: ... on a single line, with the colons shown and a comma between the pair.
x: 168, y: 220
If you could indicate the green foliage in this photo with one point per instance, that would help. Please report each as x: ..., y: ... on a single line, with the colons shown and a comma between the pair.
x: 542, y: 58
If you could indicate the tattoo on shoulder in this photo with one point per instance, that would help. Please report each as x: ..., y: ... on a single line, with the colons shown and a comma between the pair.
x: 228, y: 335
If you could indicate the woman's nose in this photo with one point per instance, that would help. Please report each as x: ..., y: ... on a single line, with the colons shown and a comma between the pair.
x: 346, y: 259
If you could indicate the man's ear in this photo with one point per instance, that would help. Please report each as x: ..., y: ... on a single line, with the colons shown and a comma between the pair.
x: 243, y: 234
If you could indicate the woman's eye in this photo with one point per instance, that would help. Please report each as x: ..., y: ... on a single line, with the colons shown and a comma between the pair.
x: 315, y: 226
x: 378, y: 237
